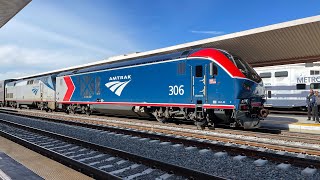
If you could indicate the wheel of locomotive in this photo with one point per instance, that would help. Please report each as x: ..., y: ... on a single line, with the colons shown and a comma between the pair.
x: 161, y: 119
x: 201, y: 124
x: 72, y: 111
x: 159, y: 116
x: 88, y: 112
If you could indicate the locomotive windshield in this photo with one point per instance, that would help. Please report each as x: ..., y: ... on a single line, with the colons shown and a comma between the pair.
x: 244, y: 67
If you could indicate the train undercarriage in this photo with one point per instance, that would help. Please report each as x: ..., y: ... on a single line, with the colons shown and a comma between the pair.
x: 247, y: 118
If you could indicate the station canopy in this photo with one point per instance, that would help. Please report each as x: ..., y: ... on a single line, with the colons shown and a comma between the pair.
x: 296, y: 41
x: 9, y: 8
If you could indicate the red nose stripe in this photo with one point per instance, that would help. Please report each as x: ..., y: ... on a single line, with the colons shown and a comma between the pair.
x: 70, y: 88
x: 221, y: 59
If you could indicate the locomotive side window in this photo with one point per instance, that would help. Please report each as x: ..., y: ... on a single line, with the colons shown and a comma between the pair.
x: 301, y: 86
x: 213, y: 70
x: 265, y: 75
x: 281, y: 74
x: 315, y: 86
x: 199, y: 71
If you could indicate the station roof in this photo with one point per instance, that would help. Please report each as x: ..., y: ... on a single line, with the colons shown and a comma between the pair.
x: 9, y: 8
x: 296, y: 41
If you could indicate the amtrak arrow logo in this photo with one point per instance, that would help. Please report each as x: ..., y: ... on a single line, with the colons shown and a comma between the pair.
x: 35, y: 90
x: 118, y: 86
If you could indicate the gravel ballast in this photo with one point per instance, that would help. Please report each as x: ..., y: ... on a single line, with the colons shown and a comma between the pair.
x: 205, y: 161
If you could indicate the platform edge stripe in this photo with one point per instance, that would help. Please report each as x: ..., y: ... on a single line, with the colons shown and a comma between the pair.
x: 4, y: 176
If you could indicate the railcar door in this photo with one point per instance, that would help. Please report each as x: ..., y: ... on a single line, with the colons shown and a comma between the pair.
x: 199, y: 84
x: 41, y: 91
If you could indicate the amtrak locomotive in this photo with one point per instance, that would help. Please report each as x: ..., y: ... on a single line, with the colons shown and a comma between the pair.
x: 205, y: 85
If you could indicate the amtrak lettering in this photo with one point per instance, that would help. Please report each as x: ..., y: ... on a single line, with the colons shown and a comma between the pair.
x: 114, y: 78
x: 117, y: 86
x: 308, y: 79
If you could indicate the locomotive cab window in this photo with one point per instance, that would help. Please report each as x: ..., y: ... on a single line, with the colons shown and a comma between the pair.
x: 301, y: 86
x: 199, y: 71
x: 315, y: 86
x: 213, y: 70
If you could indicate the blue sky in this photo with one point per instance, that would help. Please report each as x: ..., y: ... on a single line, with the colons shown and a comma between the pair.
x: 48, y: 35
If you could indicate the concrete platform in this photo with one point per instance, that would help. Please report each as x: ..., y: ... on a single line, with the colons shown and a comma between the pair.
x: 26, y: 164
x: 11, y: 169
x: 298, y: 123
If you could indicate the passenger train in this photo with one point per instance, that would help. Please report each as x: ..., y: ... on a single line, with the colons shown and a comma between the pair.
x: 287, y: 86
x: 205, y: 85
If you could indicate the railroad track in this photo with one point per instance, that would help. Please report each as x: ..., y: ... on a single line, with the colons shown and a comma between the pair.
x: 95, y: 160
x: 211, y: 141
x: 185, y: 130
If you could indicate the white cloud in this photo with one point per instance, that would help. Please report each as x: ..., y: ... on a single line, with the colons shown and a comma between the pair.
x: 19, y: 61
x: 58, y: 38
x: 208, y: 32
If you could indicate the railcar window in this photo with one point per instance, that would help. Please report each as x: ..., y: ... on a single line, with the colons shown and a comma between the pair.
x: 281, y: 74
x: 301, y: 86
x: 313, y: 72
x: 265, y: 75
x: 199, y: 71
x: 182, y: 68
x: 315, y: 86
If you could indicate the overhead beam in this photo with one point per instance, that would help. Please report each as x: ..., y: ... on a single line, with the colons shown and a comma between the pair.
x: 9, y: 8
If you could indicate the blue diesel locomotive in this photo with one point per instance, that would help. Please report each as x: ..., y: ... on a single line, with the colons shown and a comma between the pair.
x: 205, y: 85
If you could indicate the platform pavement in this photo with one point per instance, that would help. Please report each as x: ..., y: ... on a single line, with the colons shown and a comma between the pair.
x: 11, y: 169
x: 290, y: 122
